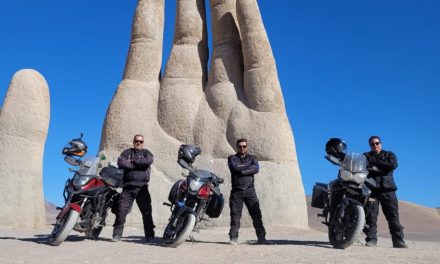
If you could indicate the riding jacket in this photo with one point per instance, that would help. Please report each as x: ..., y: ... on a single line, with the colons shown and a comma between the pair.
x: 386, y: 163
x: 136, y: 165
x: 243, y: 170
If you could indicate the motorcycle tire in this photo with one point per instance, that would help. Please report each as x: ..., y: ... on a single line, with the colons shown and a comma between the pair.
x: 343, y: 234
x: 95, y: 232
x: 185, y: 226
x: 63, y: 228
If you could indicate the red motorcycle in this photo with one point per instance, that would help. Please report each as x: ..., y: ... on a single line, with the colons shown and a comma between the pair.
x: 191, y: 198
x: 87, y: 195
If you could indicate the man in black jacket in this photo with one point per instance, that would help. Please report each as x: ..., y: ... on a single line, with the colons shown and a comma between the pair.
x: 243, y: 167
x: 136, y: 164
x: 381, y: 165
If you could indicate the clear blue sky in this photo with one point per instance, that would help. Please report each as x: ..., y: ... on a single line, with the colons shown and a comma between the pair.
x: 348, y: 69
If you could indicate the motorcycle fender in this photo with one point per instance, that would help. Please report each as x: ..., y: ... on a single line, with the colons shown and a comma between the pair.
x: 67, y: 208
x: 181, y: 211
x: 343, y: 205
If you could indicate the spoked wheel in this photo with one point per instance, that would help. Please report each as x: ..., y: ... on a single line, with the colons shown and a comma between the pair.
x: 174, y: 236
x: 63, y: 227
x: 344, y: 232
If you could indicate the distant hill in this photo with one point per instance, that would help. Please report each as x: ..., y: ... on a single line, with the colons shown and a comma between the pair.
x: 420, y: 223
x: 51, y: 212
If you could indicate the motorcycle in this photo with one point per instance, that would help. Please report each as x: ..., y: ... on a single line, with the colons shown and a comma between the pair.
x: 191, y: 198
x: 87, y: 195
x: 345, y: 201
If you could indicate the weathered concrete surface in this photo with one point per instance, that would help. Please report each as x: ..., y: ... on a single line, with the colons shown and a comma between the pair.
x: 24, y: 122
x: 239, y: 97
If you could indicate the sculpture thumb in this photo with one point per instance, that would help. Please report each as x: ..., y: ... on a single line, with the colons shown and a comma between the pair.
x: 24, y: 123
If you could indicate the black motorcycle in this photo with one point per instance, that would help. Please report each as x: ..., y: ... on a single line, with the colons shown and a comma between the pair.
x: 87, y: 195
x: 345, y: 201
x: 191, y: 198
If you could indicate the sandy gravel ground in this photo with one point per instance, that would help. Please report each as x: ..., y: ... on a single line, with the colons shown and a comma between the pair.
x: 288, y: 246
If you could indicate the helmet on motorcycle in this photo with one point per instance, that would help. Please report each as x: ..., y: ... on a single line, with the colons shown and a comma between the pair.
x: 188, y: 153
x: 76, y: 147
x: 336, y: 147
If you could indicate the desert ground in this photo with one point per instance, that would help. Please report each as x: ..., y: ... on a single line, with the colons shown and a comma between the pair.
x: 287, y: 245
x: 210, y: 246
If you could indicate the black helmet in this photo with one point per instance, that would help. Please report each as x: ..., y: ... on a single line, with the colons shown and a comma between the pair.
x: 76, y: 147
x: 336, y: 147
x: 188, y: 153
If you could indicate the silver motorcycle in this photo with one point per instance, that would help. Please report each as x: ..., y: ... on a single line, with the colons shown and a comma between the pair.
x: 191, y: 198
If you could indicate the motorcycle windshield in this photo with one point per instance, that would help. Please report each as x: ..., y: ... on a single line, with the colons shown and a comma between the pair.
x: 355, y: 163
x: 354, y: 168
x: 89, y: 166
x: 197, y: 179
x: 201, y: 175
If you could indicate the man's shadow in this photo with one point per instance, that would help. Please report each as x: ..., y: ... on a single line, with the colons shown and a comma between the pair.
x: 323, y: 244
x: 141, y: 240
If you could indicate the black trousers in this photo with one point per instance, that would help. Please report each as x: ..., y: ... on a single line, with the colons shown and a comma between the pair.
x: 249, y: 198
x: 390, y: 208
x: 143, y: 200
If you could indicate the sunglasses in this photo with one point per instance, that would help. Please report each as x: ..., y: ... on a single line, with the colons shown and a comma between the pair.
x: 242, y: 146
x: 139, y: 141
x: 374, y: 143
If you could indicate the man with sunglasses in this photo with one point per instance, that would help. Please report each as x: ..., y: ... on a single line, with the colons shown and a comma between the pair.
x: 136, y: 163
x: 381, y: 165
x: 243, y: 167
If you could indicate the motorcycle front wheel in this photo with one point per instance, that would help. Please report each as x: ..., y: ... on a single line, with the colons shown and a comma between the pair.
x: 174, y: 236
x: 63, y: 227
x: 344, y: 232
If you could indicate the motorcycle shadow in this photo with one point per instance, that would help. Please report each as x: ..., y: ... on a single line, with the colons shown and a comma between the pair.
x: 44, y: 239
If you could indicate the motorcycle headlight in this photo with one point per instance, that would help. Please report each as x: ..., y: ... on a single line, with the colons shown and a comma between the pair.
x: 80, y: 180
x: 358, y: 177
x: 195, y: 185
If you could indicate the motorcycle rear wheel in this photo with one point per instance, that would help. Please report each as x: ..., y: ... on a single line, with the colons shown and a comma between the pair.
x: 343, y: 235
x: 95, y: 232
x: 63, y: 228
x: 185, y: 226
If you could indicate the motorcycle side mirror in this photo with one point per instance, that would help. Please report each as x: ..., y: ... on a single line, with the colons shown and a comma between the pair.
x: 185, y: 165
x: 71, y: 160
x: 333, y: 160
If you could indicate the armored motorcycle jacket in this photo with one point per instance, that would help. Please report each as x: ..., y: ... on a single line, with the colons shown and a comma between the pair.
x: 136, y: 165
x: 243, y: 169
x: 386, y: 163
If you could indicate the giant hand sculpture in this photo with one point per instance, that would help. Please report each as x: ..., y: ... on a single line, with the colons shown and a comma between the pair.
x: 239, y: 97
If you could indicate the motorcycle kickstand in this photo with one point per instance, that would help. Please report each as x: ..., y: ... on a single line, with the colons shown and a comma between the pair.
x: 192, y: 239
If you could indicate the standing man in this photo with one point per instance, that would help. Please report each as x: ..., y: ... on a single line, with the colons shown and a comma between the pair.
x: 243, y: 167
x: 381, y: 166
x: 136, y: 164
